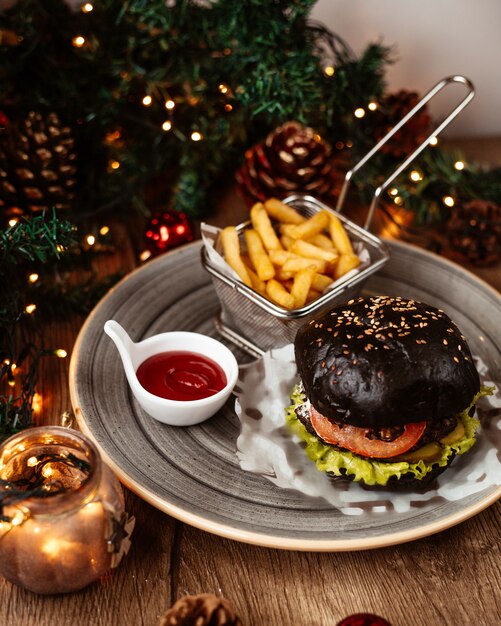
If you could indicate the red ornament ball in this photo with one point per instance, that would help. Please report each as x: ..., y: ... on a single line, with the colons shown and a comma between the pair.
x: 363, y: 619
x: 167, y: 230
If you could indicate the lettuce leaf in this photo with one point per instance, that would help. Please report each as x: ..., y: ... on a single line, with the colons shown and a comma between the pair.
x: 330, y: 459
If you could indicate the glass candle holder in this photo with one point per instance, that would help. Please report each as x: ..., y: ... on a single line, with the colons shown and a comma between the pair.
x: 62, y: 518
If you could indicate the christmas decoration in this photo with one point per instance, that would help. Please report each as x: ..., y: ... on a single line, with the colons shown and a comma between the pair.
x: 474, y: 232
x: 178, y: 90
x: 204, y: 609
x: 292, y: 158
x: 37, y: 164
x: 392, y: 108
x: 363, y: 619
x: 166, y: 230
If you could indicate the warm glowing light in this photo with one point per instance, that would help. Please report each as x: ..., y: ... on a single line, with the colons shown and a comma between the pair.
x: 359, y: 112
x: 329, y: 70
x: 459, y: 165
x: 228, y: 107
x: 170, y: 104
x: 104, y: 230
x: 13, y: 367
x: 79, y: 41
x: 62, y: 354
x: 37, y: 403
x: 33, y: 278
x: 13, y: 222
x: 145, y: 255
x: 196, y: 136
x: 30, y: 308
x: 87, y: 7
x: 6, y: 362
x: 448, y: 200
x: 47, y: 471
x: 433, y: 141
x: 167, y: 125
x: 91, y: 240
x: 223, y: 88
x: 397, y: 200
x: 372, y: 106
x: 416, y: 176
x: 60, y: 247
x: 51, y: 547
x: 114, y: 165
x: 17, y: 519
x: 147, y: 100
x: 393, y: 192
x: 32, y: 461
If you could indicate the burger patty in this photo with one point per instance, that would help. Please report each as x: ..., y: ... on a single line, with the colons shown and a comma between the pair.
x: 434, y: 431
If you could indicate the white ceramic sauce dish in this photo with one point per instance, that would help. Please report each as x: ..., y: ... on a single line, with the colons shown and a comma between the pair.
x: 174, y: 412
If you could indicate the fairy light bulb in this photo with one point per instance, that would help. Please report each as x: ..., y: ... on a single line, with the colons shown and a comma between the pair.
x: 32, y: 461
x: 145, y: 255
x: 104, y: 230
x: 433, y: 141
x: 147, y: 100
x: 372, y: 106
x: 33, y: 277
x: 459, y: 165
x: 393, y: 192
x: 329, y: 70
x: 397, y: 200
x: 60, y: 353
x: 360, y: 112
x: 448, y: 201
x: 78, y: 41
x: 228, y: 108
x: 415, y: 176
x: 167, y: 125
x: 87, y: 7
x: 114, y: 165
x: 30, y: 308
x: 91, y: 240
x: 170, y: 104
x: 223, y: 88
x: 13, y: 222
x: 196, y: 136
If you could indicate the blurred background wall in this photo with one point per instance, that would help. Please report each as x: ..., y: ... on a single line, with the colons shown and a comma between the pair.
x: 432, y: 39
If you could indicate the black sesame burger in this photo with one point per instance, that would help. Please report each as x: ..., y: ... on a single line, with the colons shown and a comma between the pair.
x: 387, y: 393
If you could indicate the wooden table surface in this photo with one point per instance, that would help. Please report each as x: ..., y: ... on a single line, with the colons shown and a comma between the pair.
x: 451, y: 578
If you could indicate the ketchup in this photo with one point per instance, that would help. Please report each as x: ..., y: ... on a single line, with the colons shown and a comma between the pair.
x: 181, y: 375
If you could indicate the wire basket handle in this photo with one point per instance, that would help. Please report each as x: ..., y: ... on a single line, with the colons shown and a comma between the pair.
x: 377, y: 194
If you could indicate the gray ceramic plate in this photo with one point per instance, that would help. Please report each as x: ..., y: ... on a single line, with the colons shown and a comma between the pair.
x: 193, y: 473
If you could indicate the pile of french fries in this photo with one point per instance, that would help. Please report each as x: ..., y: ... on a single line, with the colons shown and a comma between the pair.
x: 287, y: 257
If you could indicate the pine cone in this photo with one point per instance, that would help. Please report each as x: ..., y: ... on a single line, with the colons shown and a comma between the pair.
x: 293, y: 158
x: 474, y: 232
x: 204, y: 609
x: 392, y: 109
x: 37, y: 165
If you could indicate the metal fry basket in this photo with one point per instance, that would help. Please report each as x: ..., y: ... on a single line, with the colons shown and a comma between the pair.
x: 256, y: 324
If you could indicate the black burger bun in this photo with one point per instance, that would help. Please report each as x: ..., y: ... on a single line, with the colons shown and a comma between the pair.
x: 384, y: 361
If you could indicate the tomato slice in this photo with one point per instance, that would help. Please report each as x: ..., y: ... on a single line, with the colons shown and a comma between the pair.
x: 356, y: 440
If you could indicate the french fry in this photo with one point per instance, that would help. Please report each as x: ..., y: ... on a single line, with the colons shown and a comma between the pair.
x: 286, y: 229
x: 282, y: 276
x: 231, y: 249
x: 279, y: 257
x: 286, y: 241
x: 261, y: 223
x: 308, y: 250
x: 301, y: 286
x: 283, y: 212
x: 260, y: 260
x: 257, y: 284
x: 339, y: 236
x: 299, y: 263
x: 346, y: 263
x: 313, y: 294
x: 321, y: 282
x: 277, y: 292
x: 322, y: 241
x: 311, y: 227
